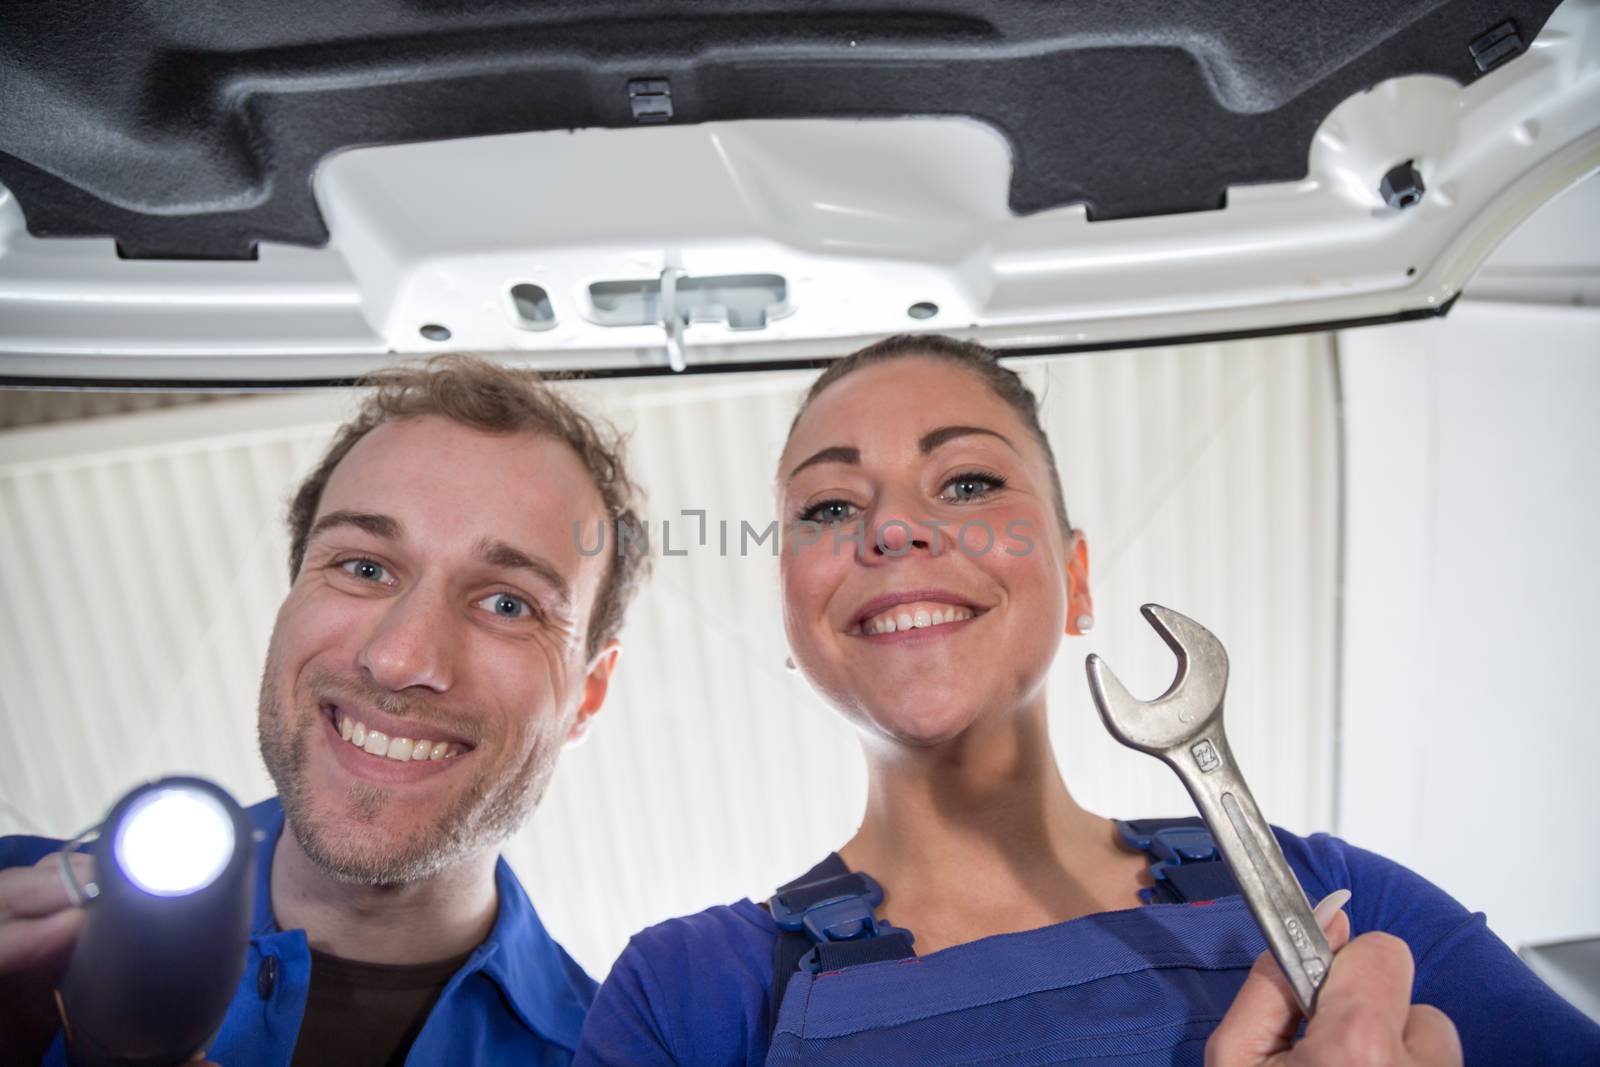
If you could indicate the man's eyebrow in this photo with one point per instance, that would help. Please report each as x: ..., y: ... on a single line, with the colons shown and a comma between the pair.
x: 832, y: 454
x: 377, y: 525
x: 499, y: 554
x: 934, y: 438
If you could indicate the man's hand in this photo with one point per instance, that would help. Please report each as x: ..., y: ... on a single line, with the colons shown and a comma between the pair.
x: 38, y: 927
x: 1364, y: 1012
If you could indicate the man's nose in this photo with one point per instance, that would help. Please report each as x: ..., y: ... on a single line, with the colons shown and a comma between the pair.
x: 412, y: 645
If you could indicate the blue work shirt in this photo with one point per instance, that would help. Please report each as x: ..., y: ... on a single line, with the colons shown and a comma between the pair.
x: 519, y: 998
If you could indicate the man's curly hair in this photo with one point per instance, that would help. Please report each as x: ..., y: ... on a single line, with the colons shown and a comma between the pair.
x: 496, y: 399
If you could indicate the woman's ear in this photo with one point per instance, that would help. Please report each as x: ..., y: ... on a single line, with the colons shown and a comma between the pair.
x: 1080, y: 604
x: 595, y: 686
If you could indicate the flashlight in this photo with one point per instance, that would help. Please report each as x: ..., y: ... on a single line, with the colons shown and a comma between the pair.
x: 165, y: 930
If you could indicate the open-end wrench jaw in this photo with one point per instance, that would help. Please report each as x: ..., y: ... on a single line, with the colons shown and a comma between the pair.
x: 1183, y: 728
x: 1191, y: 703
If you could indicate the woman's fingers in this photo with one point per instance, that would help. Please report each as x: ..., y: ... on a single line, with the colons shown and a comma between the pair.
x: 1431, y: 1037
x: 1365, y: 1015
x: 1261, y: 1020
x: 1265, y: 1015
x: 1371, y: 978
x: 1364, y: 1011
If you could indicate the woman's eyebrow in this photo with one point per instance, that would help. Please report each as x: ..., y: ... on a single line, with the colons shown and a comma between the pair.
x: 934, y: 438
x: 832, y: 454
x: 925, y: 444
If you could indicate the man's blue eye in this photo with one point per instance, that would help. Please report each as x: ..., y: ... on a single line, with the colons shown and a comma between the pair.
x: 365, y: 569
x: 507, y: 606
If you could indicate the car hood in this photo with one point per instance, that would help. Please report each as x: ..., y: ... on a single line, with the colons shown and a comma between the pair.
x: 267, y: 193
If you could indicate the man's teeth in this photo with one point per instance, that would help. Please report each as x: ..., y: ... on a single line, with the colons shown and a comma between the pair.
x: 378, y: 743
x: 914, y: 617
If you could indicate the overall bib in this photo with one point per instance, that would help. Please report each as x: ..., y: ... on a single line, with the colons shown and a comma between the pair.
x: 1144, y: 986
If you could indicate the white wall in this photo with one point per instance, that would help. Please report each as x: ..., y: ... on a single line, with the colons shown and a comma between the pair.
x: 1471, y: 726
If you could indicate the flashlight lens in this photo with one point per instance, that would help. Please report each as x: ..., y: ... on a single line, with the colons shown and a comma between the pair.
x: 174, y: 841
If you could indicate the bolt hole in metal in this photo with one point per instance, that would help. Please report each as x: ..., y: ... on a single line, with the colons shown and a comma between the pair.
x: 434, y: 332
x: 532, y: 306
x: 924, y: 309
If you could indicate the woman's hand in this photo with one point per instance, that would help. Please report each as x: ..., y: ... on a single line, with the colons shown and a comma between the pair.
x: 1364, y: 1012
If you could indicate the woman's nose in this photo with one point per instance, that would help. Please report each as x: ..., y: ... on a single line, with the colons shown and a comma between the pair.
x: 896, y: 537
x: 411, y: 645
x: 895, y: 529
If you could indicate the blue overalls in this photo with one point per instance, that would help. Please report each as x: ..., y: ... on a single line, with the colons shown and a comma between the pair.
x: 1142, y: 986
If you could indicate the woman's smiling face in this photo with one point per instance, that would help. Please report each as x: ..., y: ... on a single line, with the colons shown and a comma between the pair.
x: 926, y: 577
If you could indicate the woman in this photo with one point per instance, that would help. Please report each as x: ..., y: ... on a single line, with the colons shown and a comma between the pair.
x: 929, y: 575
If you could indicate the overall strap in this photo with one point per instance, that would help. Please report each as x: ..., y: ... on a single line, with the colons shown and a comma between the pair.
x: 826, y: 918
x: 1187, y: 867
x: 826, y: 922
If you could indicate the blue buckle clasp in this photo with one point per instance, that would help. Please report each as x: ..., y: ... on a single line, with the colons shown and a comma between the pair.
x: 843, y: 916
x: 1170, y: 847
x: 1183, y: 844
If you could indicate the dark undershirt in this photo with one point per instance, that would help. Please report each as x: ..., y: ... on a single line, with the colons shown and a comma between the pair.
x: 367, y: 1013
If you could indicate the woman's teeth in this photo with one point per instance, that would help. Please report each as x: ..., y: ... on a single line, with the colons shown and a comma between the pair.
x: 378, y: 743
x: 913, y: 617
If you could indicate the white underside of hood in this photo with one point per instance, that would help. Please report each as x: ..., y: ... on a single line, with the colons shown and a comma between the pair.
x: 849, y: 224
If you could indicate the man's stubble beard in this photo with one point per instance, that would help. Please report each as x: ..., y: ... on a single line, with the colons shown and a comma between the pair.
x: 477, y: 820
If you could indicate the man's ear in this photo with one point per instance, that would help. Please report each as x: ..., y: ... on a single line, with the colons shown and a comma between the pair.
x: 1079, y: 603
x: 595, y: 686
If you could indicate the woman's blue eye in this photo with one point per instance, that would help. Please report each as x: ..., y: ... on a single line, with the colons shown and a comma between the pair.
x: 829, y: 512
x: 507, y: 606
x: 972, y: 486
x: 366, y: 569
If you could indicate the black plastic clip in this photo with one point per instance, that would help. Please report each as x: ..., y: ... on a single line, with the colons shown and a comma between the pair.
x: 1496, y: 46
x: 651, y: 99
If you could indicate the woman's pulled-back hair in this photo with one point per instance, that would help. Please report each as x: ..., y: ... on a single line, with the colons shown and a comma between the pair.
x: 982, y: 362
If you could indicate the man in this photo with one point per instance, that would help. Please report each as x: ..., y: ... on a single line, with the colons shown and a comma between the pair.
x: 443, y: 637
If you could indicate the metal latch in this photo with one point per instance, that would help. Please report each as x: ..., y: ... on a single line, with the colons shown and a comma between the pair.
x: 674, y: 299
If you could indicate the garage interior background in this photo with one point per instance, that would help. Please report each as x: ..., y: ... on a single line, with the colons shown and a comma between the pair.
x: 1387, y: 527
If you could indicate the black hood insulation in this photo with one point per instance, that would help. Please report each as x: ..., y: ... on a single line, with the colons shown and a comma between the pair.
x: 192, y: 130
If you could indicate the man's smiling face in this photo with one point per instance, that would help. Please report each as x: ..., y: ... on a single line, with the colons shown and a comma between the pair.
x: 442, y: 602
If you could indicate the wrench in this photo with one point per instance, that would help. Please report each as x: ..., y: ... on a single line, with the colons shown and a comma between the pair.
x: 1183, y: 728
